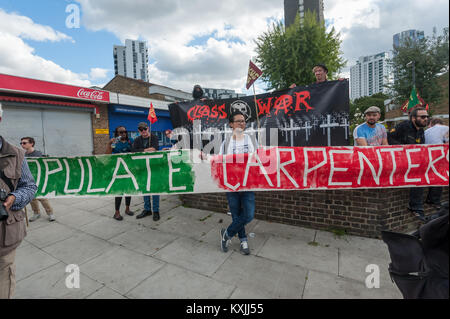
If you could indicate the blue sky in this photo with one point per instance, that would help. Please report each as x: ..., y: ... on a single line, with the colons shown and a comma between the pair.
x: 199, y: 41
x: 77, y: 56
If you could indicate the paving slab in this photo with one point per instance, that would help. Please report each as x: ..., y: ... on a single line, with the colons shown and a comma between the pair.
x: 30, y: 260
x: 77, y: 219
x: 78, y: 249
x: 273, y: 279
x: 284, y: 231
x: 173, y: 282
x: 370, y: 246
x: 49, y: 234
x: 106, y: 293
x: 51, y: 283
x: 144, y: 240
x: 193, y: 255
x: 121, y: 269
x: 321, y: 285
x: 243, y: 293
x: 107, y: 227
x: 183, y: 226
x: 352, y: 264
x: 301, y: 253
x: 93, y: 204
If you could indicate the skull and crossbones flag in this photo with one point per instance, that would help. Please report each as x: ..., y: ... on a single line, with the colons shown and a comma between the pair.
x: 253, y: 74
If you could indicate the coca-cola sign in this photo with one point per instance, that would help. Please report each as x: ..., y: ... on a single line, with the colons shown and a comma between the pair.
x: 90, y: 94
x: 32, y: 86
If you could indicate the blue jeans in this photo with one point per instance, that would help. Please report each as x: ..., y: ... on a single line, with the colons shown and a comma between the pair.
x: 155, y: 203
x: 242, y: 207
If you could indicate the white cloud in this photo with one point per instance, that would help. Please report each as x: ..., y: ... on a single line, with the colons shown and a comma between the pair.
x: 25, y: 28
x: 170, y: 26
x: 98, y: 73
x: 19, y: 59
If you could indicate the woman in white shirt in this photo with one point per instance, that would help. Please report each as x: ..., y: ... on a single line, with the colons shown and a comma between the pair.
x: 241, y: 204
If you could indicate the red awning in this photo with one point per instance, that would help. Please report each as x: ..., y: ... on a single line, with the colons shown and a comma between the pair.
x: 44, y: 101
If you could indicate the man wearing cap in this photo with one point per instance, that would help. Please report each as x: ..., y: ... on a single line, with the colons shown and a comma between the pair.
x: 17, y: 189
x: 147, y: 142
x: 371, y: 133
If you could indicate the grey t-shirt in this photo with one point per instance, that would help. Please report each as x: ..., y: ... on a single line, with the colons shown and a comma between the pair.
x: 35, y: 153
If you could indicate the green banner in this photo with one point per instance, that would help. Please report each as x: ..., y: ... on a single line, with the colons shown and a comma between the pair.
x: 113, y: 175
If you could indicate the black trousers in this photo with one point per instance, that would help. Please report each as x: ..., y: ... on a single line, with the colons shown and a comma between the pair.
x: 416, y: 197
x: 119, y: 201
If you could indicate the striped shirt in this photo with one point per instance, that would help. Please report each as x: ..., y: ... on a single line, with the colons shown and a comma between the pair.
x: 26, y: 187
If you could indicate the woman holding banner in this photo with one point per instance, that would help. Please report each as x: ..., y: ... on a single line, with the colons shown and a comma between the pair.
x: 121, y: 143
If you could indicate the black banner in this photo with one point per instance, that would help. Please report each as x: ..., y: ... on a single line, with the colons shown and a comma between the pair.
x: 315, y: 115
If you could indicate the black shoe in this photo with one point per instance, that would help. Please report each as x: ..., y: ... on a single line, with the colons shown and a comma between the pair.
x: 130, y: 213
x: 144, y: 214
x: 156, y: 216
x: 119, y: 217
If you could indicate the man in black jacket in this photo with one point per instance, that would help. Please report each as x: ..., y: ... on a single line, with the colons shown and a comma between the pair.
x: 147, y: 142
x: 411, y: 132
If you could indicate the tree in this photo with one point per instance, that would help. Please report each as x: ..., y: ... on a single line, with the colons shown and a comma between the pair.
x: 358, y: 106
x: 363, y: 103
x: 431, y: 59
x: 288, y: 56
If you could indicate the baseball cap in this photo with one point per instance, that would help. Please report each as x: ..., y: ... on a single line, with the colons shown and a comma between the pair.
x: 143, y: 125
x: 372, y: 109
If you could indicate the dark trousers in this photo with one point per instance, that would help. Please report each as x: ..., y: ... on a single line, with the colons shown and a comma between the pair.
x: 416, y: 197
x: 119, y: 201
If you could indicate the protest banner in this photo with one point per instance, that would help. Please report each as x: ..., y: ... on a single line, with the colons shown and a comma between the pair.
x: 268, y: 169
x: 314, y: 115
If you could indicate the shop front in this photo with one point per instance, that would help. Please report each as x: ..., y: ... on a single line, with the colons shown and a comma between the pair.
x: 131, y: 116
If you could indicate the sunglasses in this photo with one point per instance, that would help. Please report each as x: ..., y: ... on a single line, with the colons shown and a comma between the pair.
x: 142, y: 129
x: 122, y: 132
x: 22, y: 143
x: 424, y: 117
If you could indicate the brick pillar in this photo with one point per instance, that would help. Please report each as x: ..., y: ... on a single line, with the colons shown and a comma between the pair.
x: 100, y: 140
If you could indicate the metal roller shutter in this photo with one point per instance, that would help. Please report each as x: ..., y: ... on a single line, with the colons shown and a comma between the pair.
x: 57, y: 132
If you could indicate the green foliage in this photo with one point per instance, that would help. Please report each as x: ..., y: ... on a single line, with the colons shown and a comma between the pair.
x: 288, y: 56
x: 358, y: 106
x: 431, y: 57
x: 363, y: 103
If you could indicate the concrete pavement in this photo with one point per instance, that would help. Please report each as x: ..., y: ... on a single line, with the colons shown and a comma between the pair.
x: 179, y: 257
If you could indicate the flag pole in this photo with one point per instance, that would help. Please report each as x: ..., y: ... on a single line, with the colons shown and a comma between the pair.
x: 257, y: 114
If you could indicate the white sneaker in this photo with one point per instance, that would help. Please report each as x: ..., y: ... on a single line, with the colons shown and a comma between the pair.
x: 244, y: 248
x: 34, y: 217
x: 51, y: 217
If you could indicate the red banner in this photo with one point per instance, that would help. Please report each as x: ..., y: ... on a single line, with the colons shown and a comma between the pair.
x: 253, y: 74
x: 24, y: 85
x: 288, y: 168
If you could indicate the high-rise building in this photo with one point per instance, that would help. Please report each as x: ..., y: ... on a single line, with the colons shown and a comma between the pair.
x: 131, y: 60
x: 370, y: 75
x: 413, y: 35
x: 221, y: 93
x: 292, y: 7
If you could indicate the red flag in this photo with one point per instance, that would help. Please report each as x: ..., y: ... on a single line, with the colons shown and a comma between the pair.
x: 253, y: 73
x: 151, y: 114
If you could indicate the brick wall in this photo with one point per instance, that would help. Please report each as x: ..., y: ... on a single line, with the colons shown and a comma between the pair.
x: 358, y: 212
x: 100, y: 140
